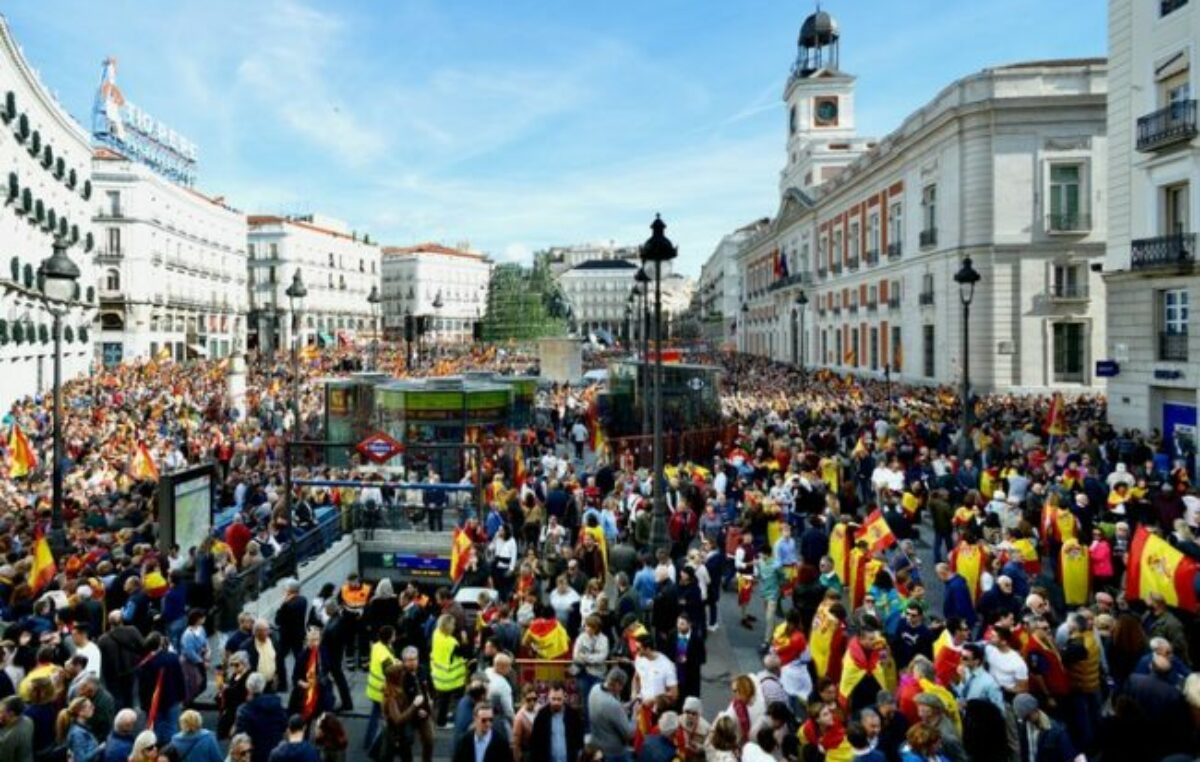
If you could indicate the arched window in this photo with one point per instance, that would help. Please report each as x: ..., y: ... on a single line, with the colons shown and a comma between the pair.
x: 111, y: 321
x: 112, y: 279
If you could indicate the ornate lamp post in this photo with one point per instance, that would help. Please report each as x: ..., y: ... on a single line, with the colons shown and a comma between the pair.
x: 374, y: 300
x: 59, y: 278
x: 642, y: 287
x: 966, y: 278
x: 801, y: 303
x: 296, y: 292
x: 745, y: 332
x: 437, y: 308
x: 409, y: 329
x: 658, y: 249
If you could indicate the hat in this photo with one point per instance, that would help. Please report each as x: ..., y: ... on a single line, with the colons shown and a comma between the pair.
x: 1024, y: 705
x: 693, y: 704
x: 668, y: 724
x: 884, y: 697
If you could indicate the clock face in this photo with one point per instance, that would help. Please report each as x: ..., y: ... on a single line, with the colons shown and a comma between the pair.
x: 826, y: 112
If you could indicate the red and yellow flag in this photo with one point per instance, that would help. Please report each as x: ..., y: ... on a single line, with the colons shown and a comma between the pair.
x: 1156, y: 567
x: 312, y: 693
x: 21, y: 457
x: 1056, y: 419
x: 825, y: 642
x: 839, y: 551
x: 518, y: 467
x: 876, y: 532
x: 547, y: 638
x: 43, y: 569
x: 858, y: 663
x: 946, y: 658
x: 969, y: 561
x: 142, y: 466
x: 460, y: 553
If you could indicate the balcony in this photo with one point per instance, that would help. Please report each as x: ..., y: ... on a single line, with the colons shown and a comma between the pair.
x: 1169, y: 6
x: 895, y: 248
x: 1177, y: 250
x: 853, y: 309
x: 893, y: 302
x: 926, y: 299
x: 872, y: 306
x: 822, y: 272
x: 1071, y: 223
x: 1068, y: 292
x: 852, y: 263
x: 872, y: 257
x: 836, y: 268
x: 836, y: 310
x: 1174, y: 124
x: 109, y: 255
x: 795, y: 279
x: 928, y: 238
x: 1172, y: 347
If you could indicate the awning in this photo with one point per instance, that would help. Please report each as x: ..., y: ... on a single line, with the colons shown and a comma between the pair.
x: 325, y: 339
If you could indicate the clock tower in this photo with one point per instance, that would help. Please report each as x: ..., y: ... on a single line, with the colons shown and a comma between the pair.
x: 820, y: 102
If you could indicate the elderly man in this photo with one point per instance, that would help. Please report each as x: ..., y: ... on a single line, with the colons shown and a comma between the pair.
x: 500, y: 693
x: 612, y: 729
x: 266, y: 656
x: 16, y: 731
x: 104, y: 706
x: 931, y: 713
x: 262, y: 718
x: 119, y: 745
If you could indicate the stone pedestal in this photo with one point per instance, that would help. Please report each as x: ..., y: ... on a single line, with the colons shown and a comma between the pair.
x: 561, y: 359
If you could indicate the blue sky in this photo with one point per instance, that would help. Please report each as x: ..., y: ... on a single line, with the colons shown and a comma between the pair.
x: 516, y: 125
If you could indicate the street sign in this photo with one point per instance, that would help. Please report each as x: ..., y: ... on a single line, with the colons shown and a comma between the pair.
x: 379, y: 448
x: 1107, y: 368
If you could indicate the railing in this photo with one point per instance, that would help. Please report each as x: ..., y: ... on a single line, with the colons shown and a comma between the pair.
x: 792, y: 280
x: 852, y: 263
x: 1172, y: 347
x: 251, y: 582
x: 1071, y: 222
x: 853, y: 309
x: 895, y: 249
x: 836, y: 267
x: 1169, y: 6
x: 1163, y: 251
x: 872, y: 257
x: 1069, y: 291
x: 928, y: 237
x: 822, y: 272
x: 926, y: 299
x: 872, y: 306
x: 837, y: 310
x: 695, y: 445
x: 1167, y: 126
x: 893, y: 302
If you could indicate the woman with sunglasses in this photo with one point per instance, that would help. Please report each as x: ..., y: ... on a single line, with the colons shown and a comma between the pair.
x: 523, y: 723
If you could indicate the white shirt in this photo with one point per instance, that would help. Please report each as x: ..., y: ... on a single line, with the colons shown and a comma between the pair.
x: 656, y: 676
x: 1008, y: 668
x: 562, y: 602
x: 92, y: 652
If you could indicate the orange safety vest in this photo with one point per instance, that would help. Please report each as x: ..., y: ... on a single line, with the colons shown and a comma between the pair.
x: 356, y: 599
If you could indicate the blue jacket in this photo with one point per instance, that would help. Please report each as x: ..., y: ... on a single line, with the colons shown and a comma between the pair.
x: 957, y: 601
x: 82, y: 744
x: 197, y: 747
x: 265, y: 720
x: 302, y: 751
x: 118, y: 747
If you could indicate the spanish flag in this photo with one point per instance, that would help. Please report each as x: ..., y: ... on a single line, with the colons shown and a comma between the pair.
x: 946, y: 658
x: 21, y: 457
x: 547, y: 639
x: 877, y: 534
x: 518, y: 467
x: 309, y: 352
x: 43, y: 569
x: 308, y: 709
x: 946, y: 697
x: 1056, y: 419
x: 858, y: 664
x: 1058, y: 524
x: 826, y: 642
x: 142, y: 466
x: 164, y: 354
x: 1074, y: 568
x: 1027, y: 552
x: 860, y: 447
x: 1156, y: 567
x: 970, y: 561
x: 839, y: 551
x: 460, y: 553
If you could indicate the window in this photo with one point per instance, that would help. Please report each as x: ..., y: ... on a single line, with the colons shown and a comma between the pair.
x: 852, y: 357
x: 1069, y: 282
x: 331, y: 259
x: 895, y: 225
x: 873, y: 233
x: 1065, y: 197
x: 929, y: 207
x: 114, y: 203
x: 1173, y: 80
x: 250, y: 251
x: 928, y: 349
x: 897, y: 352
x: 114, y: 241
x: 1175, y: 209
x: 874, y: 345
x: 855, y: 246
x: 112, y: 279
x: 1069, y: 351
x: 271, y: 276
x: 1175, y: 310
x: 839, y: 357
x: 838, y: 253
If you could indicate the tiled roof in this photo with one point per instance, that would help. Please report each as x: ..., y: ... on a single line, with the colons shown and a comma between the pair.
x: 271, y: 219
x: 429, y: 248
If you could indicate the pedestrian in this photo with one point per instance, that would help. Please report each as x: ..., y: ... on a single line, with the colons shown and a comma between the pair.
x: 193, y: 742
x: 448, y: 667
x: 482, y: 744
x: 291, y: 622
x: 557, y: 729
x: 294, y: 747
x: 381, y: 657
x: 262, y: 718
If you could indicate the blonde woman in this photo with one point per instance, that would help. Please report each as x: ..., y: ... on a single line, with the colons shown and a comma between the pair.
x: 72, y: 730
x: 145, y: 747
x: 448, y: 666
x: 193, y: 742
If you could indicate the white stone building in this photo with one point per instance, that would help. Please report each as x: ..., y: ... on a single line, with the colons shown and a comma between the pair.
x: 563, y: 258
x: 1006, y: 166
x: 171, y: 264
x: 1150, y: 268
x: 598, y: 292
x: 447, y: 285
x: 47, y: 166
x: 338, y: 268
x: 720, y: 286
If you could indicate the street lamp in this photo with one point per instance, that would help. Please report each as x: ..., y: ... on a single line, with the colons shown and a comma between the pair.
x: 374, y: 300
x: 437, y: 308
x: 642, y: 289
x: 295, y: 294
x: 409, y: 329
x: 745, y: 332
x: 966, y: 278
x: 59, y: 278
x: 801, y: 303
x: 658, y: 249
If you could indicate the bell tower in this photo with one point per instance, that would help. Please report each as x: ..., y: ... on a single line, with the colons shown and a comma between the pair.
x: 820, y: 113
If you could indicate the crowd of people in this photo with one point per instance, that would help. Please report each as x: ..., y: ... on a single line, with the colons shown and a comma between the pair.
x: 591, y: 624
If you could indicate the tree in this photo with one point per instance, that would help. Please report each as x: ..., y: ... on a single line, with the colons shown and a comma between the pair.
x: 523, y: 304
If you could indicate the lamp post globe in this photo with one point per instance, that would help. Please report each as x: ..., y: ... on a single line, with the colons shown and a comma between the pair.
x: 966, y: 278
x: 658, y: 249
x: 59, y: 277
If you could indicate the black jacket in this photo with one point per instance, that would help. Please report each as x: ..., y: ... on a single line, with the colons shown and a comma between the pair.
x: 121, y: 650
x: 290, y: 620
x: 539, y: 740
x: 498, y: 749
x: 265, y: 720
x: 688, y: 672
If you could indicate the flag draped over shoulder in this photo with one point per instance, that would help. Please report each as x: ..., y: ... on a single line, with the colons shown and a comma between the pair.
x: 21, y: 457
x: 1056, y: 419
x: 876, y: 532
x: 142, y: 466
x: 839, y: 552
x: 946, y: 658
x: 1074, y: 567
x: 518, y: 467
x: 824, y: 642
x: 970, y: 561
x: 460, y: 553
x: 859, y: 663
x: 1156, y: 567
x: 547, y: 638
x: 43, y: 569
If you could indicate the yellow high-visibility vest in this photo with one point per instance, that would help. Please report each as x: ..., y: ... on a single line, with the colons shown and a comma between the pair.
x: 448, y: 670
x: 381, y: 656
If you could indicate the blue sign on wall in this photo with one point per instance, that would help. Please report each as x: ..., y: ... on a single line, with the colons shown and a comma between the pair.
x: 1107, y: 368
x: 418, y: 565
